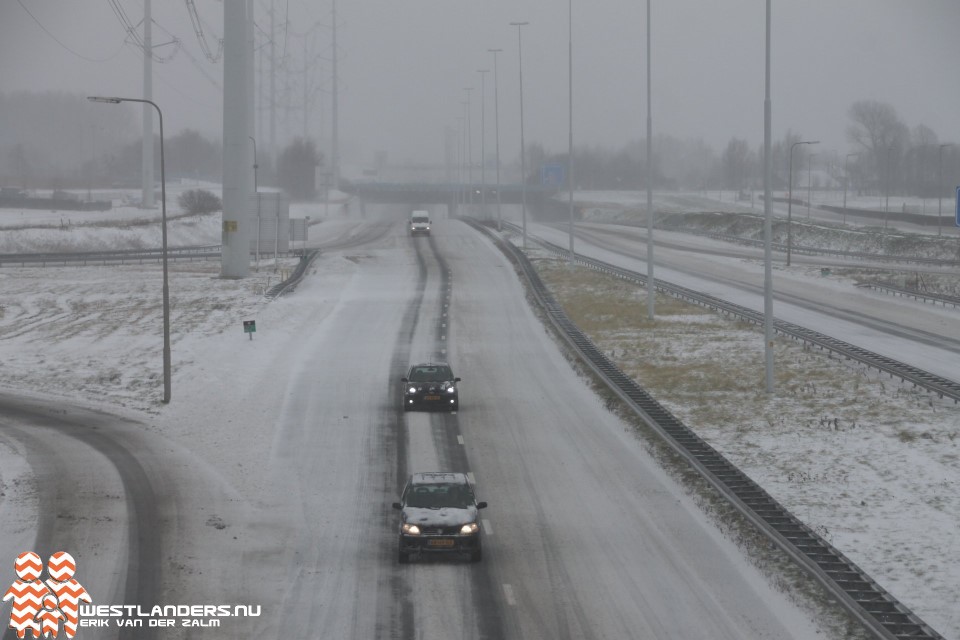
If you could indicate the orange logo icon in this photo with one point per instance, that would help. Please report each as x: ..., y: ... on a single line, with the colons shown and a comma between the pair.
x: 39, y: 607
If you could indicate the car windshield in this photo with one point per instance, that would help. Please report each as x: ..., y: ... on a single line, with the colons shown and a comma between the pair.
x: 436, y: 496
x: 430, y: 374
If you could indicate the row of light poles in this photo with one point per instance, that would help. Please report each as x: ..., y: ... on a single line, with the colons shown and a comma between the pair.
x: 467, y: 151
x: 570, y: 166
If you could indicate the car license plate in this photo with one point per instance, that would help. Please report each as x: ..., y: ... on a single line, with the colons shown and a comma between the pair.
x: 431, y: 397
x: 440, y: 542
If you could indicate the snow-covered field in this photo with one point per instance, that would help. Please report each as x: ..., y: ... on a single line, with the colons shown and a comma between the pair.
x: 875, y: 468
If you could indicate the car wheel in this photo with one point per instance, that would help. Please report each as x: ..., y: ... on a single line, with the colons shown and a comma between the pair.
x: 403, y: 557
x: 476, y: 556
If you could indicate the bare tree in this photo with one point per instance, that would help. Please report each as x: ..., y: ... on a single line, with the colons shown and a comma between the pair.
x: 296, y: 168
x: 880, y: 134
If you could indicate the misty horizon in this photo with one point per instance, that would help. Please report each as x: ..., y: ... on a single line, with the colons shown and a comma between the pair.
x: 403, y: 70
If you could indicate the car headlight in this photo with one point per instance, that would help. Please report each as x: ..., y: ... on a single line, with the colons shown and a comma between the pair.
x: 451, y: 389
x: 412, y: 390
x: 411, y: 529
x: 469, y: 529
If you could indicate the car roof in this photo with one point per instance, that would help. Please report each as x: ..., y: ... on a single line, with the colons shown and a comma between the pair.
x: 429, y: 364
x: 439, y: 477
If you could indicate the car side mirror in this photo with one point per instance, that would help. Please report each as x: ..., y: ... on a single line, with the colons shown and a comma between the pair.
x: 481, y: 505
x: 456, y: 379
x: 404, y: 380
x: 397, y: 506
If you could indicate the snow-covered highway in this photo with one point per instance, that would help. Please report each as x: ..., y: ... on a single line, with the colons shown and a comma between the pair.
x: 297, y: 444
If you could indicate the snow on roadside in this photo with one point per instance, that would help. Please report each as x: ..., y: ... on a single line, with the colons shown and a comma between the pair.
x: 871, y: 465
x: 850, y: 455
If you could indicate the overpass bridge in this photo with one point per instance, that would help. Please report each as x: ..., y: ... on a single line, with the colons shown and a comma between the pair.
x: 446, y: 193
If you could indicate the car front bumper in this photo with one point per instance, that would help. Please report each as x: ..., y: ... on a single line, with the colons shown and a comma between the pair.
x: 442, y: 401
x: 439, y: 543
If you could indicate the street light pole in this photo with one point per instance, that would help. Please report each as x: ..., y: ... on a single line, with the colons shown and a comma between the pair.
x: 523, y: 163
x: 464, y: 181
x: 469, y: 144
x: 940, y: 189
x: 790, y: 196
x: 256, y: 193
x: 460, y: 120
x: 767, y: 225
x: 651, y: 288
x: 809, y: 168
x: 570, y: 145
x: 459, y: 188
x: 886, y: 188
x: 163, y: 234
x: 483, y: 145
x: 846, y: 183
x: 496, y: 112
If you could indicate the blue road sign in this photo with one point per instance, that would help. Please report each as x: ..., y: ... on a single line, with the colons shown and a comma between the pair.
x: 553, y: 175
x: 956, y: 216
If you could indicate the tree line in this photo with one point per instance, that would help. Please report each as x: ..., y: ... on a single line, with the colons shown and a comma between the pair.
x: 57, y: 140
x: 885, y: 156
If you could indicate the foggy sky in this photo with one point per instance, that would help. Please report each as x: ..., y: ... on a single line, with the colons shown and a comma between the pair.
x: 403, y: 67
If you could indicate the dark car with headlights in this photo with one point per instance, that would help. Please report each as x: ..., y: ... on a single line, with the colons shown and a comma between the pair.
x: 439, y: 513
x: 430, y: 386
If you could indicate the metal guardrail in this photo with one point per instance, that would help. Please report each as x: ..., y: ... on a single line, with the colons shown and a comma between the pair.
x: 923, y: 296
x: 879, y: 611
x: 120, y: 256
x: 812, y: 251
x: 288, y: 285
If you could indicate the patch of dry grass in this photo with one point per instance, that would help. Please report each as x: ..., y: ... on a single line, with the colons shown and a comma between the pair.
x: 709, y: 369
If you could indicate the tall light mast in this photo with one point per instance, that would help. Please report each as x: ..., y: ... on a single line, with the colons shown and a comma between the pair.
x: 147, y: 199
x: 335, y: 112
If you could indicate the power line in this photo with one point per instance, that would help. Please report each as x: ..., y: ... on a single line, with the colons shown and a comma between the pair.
x: 201, y: 38
x: 133, y: 35
x: 57, y: 40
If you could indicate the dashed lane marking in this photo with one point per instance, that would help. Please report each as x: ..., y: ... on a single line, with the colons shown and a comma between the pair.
x: 508, y: 592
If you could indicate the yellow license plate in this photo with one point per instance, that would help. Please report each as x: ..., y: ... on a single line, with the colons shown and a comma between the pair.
x: 431, y: 397
x: 440, y: 542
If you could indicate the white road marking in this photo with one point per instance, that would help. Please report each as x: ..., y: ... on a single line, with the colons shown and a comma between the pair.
x: 487, y: 528
x: 472, y: 478
x: 508, y: 592
x: 460, y: 439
